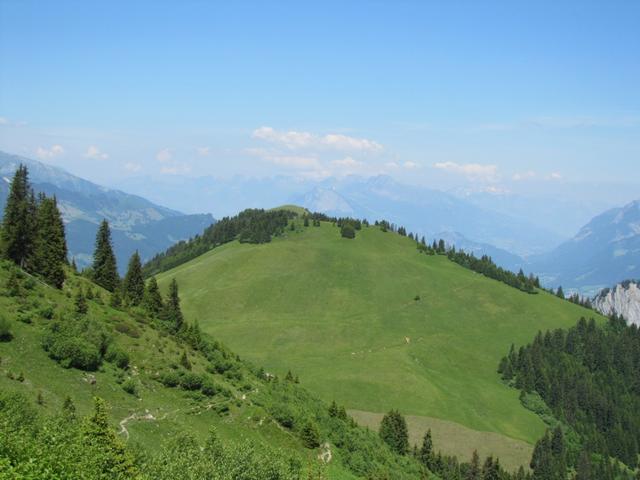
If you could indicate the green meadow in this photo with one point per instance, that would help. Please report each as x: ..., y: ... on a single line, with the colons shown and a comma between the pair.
x: 373, y: 324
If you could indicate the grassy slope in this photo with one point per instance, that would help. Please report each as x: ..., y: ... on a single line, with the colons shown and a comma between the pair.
x: 174, y: 410
x: 337, y: 312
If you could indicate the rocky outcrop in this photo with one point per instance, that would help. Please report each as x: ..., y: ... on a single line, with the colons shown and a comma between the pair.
x: 623, y: 299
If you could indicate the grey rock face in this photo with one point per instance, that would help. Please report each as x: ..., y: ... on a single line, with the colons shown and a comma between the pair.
x: 623, y: 299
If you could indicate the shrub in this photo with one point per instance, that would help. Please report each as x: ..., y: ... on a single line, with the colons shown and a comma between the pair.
x: 5, y: 330
x: 24, y: 318
x: 75, y: 352
x: 169, y: 378
x: 191, y: 381
x: 47, y: 312
x: 284, y: 416
x: 117, y: 356
x: 209, y: 388
x: 78, y: 344
x: 127, y: 329
x: 347, y: 231
x: 129, y: 386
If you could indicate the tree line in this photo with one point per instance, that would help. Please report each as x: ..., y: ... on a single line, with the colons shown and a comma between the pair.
x: 249, y: 226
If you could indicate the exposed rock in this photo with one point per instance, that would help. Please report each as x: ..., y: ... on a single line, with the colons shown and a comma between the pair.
x: 623, y: 299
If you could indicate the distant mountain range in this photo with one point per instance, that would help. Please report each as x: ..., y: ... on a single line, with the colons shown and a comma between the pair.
x: 137, y: 224
x: 429, y: 212
x: 605, y: 251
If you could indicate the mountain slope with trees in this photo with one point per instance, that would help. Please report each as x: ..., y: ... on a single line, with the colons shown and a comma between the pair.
x: 137, y: 223
x: 69, y: 348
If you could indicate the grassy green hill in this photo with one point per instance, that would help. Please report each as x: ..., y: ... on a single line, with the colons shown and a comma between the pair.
x: 147, y: 409
x: 375, y: 325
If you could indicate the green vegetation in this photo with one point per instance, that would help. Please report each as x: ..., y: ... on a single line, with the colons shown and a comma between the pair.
x: 32, y: 231
x: 588, y: 377
x: 249, y: 226
x: 104, y: 271
x: 343, y: 313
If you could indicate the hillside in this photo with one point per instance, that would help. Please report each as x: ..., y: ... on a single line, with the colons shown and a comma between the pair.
x: 375, y: 325
x: 137, y: 223
x: 604, y: 252
x: 49, y: 351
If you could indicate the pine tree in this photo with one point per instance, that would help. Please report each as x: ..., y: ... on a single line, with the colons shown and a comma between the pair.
x: 50, y: 246
x: 394, y: 432
x: 104, y: 447
x: 105, y: 271
x: 134, y: 281
x: 152, y: 298
x: 473, y: 473
x: 310, y: 435
x: 18, y: 224
x: 116, y: 299
x: 80, y: 302
x: 172, y: 314
x: 426, y: 451
x: 560, y: 292
x: 184, y: 360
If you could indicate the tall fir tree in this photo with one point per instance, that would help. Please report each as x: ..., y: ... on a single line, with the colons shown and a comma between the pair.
x: 474, y: 472
x: 105, y: 271
x: 50, y: 248
x: 18, y: 224
x: 134, y: 281
x: 152, y: 298
x: 394, y: 432
x: 172, y: 314
x: 426, y: 454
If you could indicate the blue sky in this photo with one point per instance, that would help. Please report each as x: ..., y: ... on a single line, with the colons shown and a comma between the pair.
x: 483, y: 94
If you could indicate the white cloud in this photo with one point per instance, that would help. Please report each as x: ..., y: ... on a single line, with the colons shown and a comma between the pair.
x: 473, y: 171
x: 175, y: 169
x: 164, y: 155
x: 203, y: 151
x: 293, y: 161
x: 48, y: 153
x: 4, y: 121
x: 94, y: 153
x: 555, y: 176
x: 524, y: 175
x: 347, y: 162
x: 391, y: 165
x: 297, y: 140
x: 132, y: 167
x: 343, y: 142
x: 410, y: 165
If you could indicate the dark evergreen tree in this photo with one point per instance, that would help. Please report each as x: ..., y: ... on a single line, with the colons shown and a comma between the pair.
x: 394, y: 432
x: 116, y: 299
x: 474, y: 472
x: 50, y: 248
x: 310, y: 435
x: 105, y: 272
x: 152, y: 298
x: 133, y: 287
x: 80, y: 302
x: 172, y: 314
x: 560, y: 292
x: 426, y: 454
x: 18, y: 224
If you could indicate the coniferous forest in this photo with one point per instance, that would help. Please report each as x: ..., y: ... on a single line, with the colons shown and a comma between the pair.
x: 588, y: 378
